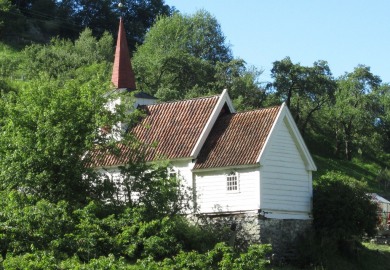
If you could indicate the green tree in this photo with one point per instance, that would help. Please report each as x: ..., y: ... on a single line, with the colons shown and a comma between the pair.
x: 355, y: 110
x: 139, y: 17
x: 304, y: 89
x: 38, y: 21
x: 97, y: 15
x: 10, y: 75
x: 12, y: 21
x: 179, y: 54
x: 103, y: 16
x: 28, y: 224
x: 61, y: 57
x: 46, y: 129
x: 159, y: 194
x: 5, y: 6
x: 41, y: 20
x: 383, y: 120
x: 242, y: 82
x: 187, y: 56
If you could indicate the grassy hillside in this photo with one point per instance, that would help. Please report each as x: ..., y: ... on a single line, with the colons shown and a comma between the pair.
x: 364, y: 170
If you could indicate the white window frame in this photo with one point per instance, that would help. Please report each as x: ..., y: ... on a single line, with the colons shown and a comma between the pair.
x: 233, y: 182
x: 172, y: 173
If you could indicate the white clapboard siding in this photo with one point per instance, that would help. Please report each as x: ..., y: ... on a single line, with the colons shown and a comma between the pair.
x: 285, y: 181
x: 184, y: 171
x: 114, y: 175
x: 181, y: 167
x: 212, y: 194
x: 144, y: 101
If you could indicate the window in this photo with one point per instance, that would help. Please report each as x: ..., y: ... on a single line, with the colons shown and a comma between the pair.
x: 232, y: 181
x: 172, y: 173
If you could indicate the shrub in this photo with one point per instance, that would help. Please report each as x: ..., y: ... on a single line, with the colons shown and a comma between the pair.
x: 39, y: 260
x: 28, y: 224
x: 254, y: 258
x: 342, y: 210
x: 220, y: 257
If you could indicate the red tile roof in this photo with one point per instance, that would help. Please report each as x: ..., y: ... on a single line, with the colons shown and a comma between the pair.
x: 106, y: 157
x: 122, y: 71
x: 169, y: 131
x: 175, y: 127
x: 237, y: 139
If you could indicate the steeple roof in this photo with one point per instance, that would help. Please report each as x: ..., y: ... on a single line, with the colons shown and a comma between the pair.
x: 122, y: 72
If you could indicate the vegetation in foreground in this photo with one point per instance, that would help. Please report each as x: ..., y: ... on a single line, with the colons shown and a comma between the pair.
x: 37, y: 234
x: 366, y: 257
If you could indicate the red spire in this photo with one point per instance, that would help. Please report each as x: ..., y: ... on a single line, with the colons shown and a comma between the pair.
x: 122, y: 72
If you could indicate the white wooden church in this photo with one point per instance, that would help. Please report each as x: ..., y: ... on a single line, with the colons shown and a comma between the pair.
x: 252, y: 163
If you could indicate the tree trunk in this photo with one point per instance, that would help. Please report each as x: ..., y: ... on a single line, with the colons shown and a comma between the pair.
x: 348, y: 151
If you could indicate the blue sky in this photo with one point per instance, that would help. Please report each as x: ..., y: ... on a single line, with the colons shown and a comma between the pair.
x: 344, y: 33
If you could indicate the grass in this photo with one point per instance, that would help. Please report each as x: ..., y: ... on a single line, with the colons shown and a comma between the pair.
x: 375, y: 257
x: 365, y: 171
x: 368, y: 257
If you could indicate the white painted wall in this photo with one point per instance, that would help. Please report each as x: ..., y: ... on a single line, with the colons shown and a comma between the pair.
x: 114, y: 175
x: 144, y: 101
x: 120, y: 127
x: 112, y: 103
x: 286, y: 185
x: 212, y: 194
x: 184, y: 170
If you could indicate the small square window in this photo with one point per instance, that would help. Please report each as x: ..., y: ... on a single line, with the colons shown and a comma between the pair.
x: 172, y: 173
x: 232, y: 181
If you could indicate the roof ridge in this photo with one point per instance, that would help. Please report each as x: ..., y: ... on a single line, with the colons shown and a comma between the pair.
x: 183, y: 100
x: 259, y: 109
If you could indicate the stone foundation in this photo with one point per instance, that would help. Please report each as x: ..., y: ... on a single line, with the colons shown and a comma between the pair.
x: 243, y: 229
x: 282, y: 233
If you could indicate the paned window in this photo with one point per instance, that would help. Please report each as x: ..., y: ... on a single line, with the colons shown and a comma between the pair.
x: 232, y: 181
x: 172, y: 173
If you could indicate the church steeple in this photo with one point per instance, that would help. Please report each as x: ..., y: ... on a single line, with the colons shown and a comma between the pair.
x: 122, y: 72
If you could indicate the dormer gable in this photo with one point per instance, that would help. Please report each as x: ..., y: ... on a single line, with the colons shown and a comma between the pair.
x: 224, y: 104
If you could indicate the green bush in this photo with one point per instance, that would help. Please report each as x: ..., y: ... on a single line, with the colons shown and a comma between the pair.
x: 254, y: 258
x: 28, y: 224
x: 342, y: 208
x: 38, y: 260
x: 342, y: 214
x: 102, y: 263
x: 37, y: 234
x: 220, y: 257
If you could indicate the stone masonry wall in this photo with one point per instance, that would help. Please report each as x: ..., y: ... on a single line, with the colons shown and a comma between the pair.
x: 243, y: 229
x: 282, y: 233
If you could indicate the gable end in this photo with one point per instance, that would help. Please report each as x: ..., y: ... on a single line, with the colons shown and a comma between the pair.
x: 286, y: 118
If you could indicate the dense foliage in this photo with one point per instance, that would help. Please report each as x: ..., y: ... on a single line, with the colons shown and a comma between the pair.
x: 38, y: 234
x: 342, y: 209
x: 343, y: 213
x: 23, y: 21
x: 187, y: 56
x: 304, y: 89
